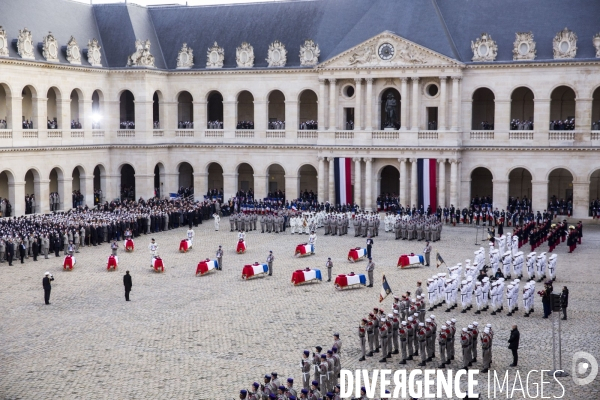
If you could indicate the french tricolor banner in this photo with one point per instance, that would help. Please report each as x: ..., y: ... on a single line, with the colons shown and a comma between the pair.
x: 426, y: 178
x: 343, y: 180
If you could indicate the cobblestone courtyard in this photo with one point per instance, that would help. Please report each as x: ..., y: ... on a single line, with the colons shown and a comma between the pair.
x: 187, y: 337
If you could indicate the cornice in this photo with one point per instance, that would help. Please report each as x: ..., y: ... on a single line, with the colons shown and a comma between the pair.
x: 529, y: 64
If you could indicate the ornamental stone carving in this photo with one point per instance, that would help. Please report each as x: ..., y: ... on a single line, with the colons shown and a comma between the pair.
x: 596, y: 42
x: 3, y: 43
x: 309, y: 54
x: 73, y: 52
x: 93, y: 53
x: 244, y: 56
x: 277, y: 54
x: 524, y: 48
x: 50, y: 48
x: 215, y: 56
x: 484, y: 48
x: 185, y: 58
x: 565, y: 44
x: 363, y: 55
x: 25, y: 44
x: 142, y: 56
x: 412, y: 55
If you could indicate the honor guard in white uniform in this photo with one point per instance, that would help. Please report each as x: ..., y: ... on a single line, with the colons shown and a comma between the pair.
x: 531, y: 264
x: 217, y: 220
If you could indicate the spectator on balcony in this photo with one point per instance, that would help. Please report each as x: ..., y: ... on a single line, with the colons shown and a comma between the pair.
x: 127, y: 125
x: 3, y: 124
x: 596, y: 125
x: 52, y: 124
x: 349, y: 125
x: 245, y: 125
x: 310, y: 125
x: 185, y: 125
x: 432, y: 125
x: 156, y: 125
x: 97, y: 196
x: 276, y: 125
x: 519, y: 125
x: 75, y: 124
x: 27, y: 124
x: 566, y: 125
x: 96, y: 125
x: 215, y: 124
x: 486, y: 126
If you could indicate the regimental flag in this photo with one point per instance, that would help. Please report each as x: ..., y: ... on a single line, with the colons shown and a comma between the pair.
x: 439, y: 259
x: 343, y: 180
x: 385, y: 290
x: 426, y: 178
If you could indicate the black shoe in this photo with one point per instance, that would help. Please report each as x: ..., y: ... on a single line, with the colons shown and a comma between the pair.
x: 428, y: 359
x: 509, y: 314
x: 512, y: 365
x: 526, y: 315
x: 376, y: 351
x: 422, y: 364
x: 409, y: 358
x: 484, y: 371
x: 474, y: 360
x: 493, y: 313
x: 369, y: 285
x: 361, y: 359
x: 463, y: 311
x: 563, y: 319
x: 370, y: 354
x: 442, y: 366
x: 395, y: 351
x: 477, y: 312
x: 403, y: 362
x: 328, y: 280
x: 383, y: 360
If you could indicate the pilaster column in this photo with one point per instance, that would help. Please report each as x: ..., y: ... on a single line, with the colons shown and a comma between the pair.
x: 65, y: 192
x: 414, y: 118
x: 539, y: 195
x: 261, y: 186
x: 369, y: 105
x: 144, y: 185
x: 358, y: 104
x: 501, y: 114
x: 442, y: 182
x: 454, y: 183
x: 14, y: 113
x: 199, y: 117
x: 230, y: 185
x: 112, y: 189
x: 541, y: 116
x: 63, y: 113
x: 331, y: 182
x: 413, y: 183
x: 404, y: 104
x: 40, y: 113
x: 500, y: 193
x: 291, y: 115
x: 87, y: 117
x: 321, y: 111
x: 143, y: 117
x: 18, y: 197
x: 321, y: 180
x: 86, y: 187
x: 403, y: 181
x: 583, y: 119
x: 357, y: 181
x: 369, y: 184
x: 42, y: 199
x: 459, y: 187
x: 169, y: 183
x: 292, y: 187
x: 200, y: 185
x: 111, y: 118
x: 332, y: 104
x: 581, y: 198
x: 455, y: 104
x: 229, y: 115
x: 261, y: 115
x: 443, y: 105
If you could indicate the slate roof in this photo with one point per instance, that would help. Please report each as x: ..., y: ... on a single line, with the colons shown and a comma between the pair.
x: 445, y: 26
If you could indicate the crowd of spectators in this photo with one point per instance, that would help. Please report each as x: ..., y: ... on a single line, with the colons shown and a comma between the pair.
x: 309, y: 125
x: 3, y: 124
x: 518, y: 125
x: 349, y: 125
x: 245, y: 125
x: 185, y: 125
x: 128, y: 193
x: 28, y: 124
x: 76, y: 124
x: 97, y: 196
x: 52, y: 124
x: 29, y: 204
x: 156, y: 125
x: 185, y: 192
x: 77, y: 198
x: 215, y: 124
x: 276, y: 125
x: 566, y: 125
x: 486, y: 126
x: 127, y: 125
x: 5, y: 208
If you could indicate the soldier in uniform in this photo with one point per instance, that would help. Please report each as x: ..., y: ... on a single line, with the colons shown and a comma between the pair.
x: 337, y: 342
x: 316, y: 361
x: 290, y: 387
x: 305, y: 368
x: 314, y: 393
x: 475, y: 334
x: 429, y: 340
x: 270, y: 259
x: 370, y: 268
x: 465, y: 342
x: 442, y: 341
x: 421, y: 336
x: 323, y: 372
x: 329, y: 266
x: 452, y: 327
x: 370, y: 334
x: 395, y: 328
x: 383, y: 336
x: 330, y: 371
x: 219, y: 256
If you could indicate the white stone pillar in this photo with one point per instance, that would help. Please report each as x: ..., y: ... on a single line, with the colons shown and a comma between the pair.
x: 321, y: 104
x: 358, y: 104
x: 86, y: 117
x: 42, y: 199
x: 14, y: 114
x: 413, y: 183
x: 403, y: 182
x: 331, y: 182
x: 414, y: 119
x: 18, y: 200
x: 454, y: 183
x: 63, y: 112
x: 442, y: 120
x: 86, y: 187
x: 332, y: 104
x: 112, y: 189
x: 404, y: 105
x: 291, y: 115
x: 261, y: 115
x: 199, y: 115
x: 501, y: 114
x: 292, y: 187
x: 261, y: 186
x: 369, y: 106
x: 442, y: 182
x: 581, y: 197
x: 539, y: 195
x: 144, y: 185
x: 321, y: 181
x: 40, y: 113
x: 230, y: 185
x: 583, y: 120
x: 369, y: 184
x: 229, y: 115
x: 357, y: 181
x: 500, y: 193
x: 65, y: 192
x: 455, y: 103
x: 201, y: 185
x: 459, y: 187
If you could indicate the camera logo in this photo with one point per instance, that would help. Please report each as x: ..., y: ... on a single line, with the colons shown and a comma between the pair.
x: 584, y: 363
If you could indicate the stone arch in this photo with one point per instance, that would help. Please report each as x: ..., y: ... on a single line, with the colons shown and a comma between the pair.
x: 159, y: 180
x: 54, y: 108
x: 483, y: 109
x: 78, y: 185
x: 276, y: 178
x: 595, y: 109
x: 308, y: 109
x: 99, y: 183
x: 186, y: 175
x: 562, y: 104
x: 157, y: 109
x: 5, y: 106
x: 127, y: 189
x: 245, y: 173
x: 185, y: 109
x: 57, y: 186
x: 33, y: 187
x: 560, y: 184
x: 308, y: 177
x: 482, y: 182
x: 214, y: 177
x: 519, y: 183
x: 522, y: 108
x: 76, y: 111
x: 385, y: 92
x: 276, y: 113
x: 7, y: 190
x: 97, y: 108
x: 245, y: 110
x: 126, y: 110
x: 29, y: 108
x: 389, y: 180
x: 214, y: 108
x: 595, y: 188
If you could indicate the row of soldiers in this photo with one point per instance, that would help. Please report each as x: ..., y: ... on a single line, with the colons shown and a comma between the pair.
x: 420, y: 228
x: 412, y: 337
